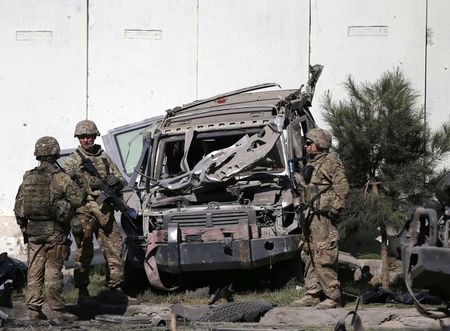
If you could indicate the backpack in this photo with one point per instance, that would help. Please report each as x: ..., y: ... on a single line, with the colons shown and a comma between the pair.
x: 37, y: 195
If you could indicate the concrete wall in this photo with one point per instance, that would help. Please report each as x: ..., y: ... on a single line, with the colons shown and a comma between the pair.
x: 438, y: 62
x: 42, y: 84
x: 248, y: 42
x: 142, y: 58
x: 364, y: 38
x: 117, y: 61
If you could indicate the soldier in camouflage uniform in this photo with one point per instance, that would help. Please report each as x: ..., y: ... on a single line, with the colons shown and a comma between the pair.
x: 44, y: 207
x: 323, y: 175
x: 95, y: 218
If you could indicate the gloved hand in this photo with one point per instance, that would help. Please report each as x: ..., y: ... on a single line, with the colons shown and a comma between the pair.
x: 111, y: 180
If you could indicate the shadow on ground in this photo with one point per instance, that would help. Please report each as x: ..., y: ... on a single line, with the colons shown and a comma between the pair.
x: 107, y: 302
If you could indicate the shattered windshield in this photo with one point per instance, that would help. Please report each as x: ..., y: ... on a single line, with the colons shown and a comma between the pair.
x: 175, y: 160
x: 129, y: 145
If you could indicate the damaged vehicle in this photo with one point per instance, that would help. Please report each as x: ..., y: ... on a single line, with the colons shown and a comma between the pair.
x: 215, y: 185
x: 425, y: 253
x: 425, y: 242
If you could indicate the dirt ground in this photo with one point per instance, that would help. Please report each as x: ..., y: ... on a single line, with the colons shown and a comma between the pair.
x: 160, y: 317
x: 111, y: 312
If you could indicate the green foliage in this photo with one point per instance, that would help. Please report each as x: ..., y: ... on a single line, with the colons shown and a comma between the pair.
x: 382, y: 138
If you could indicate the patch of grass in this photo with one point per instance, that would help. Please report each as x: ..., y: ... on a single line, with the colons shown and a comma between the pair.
x: 198, y: 297
x: 71, y: 296
x: 97, y: 284
x: 279, y: 297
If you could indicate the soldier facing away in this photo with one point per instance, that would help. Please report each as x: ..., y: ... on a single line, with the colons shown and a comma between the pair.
x: 43, y: 209
x: 325, y: 185
x: 95, y: 218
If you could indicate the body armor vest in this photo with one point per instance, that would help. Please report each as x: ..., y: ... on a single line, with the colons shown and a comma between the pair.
x: 37, y: 195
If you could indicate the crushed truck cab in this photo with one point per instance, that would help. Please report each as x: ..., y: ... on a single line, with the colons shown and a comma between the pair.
x: 216, y: 182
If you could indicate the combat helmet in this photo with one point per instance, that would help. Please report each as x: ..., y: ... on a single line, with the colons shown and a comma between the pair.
x: 46, y: 146
x: 320, y: 137
x: 86, y: 127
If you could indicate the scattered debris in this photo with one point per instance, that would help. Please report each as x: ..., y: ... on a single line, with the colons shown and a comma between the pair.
x: 382, y: 295
x: 356, y: 321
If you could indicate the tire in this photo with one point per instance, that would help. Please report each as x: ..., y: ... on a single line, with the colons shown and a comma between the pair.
x: 245, y: 311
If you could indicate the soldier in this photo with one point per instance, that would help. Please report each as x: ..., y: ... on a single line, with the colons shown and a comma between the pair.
x: 95, y: 218
x: 43, y: 210
x: 324, y: 176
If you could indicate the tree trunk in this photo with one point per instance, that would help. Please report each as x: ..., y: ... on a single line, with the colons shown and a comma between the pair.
x: 384, y: 258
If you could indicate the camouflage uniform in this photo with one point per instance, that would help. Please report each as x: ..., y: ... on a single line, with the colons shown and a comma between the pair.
x: 320, y: 252
x: 46, y: 233
x: 95, y: 218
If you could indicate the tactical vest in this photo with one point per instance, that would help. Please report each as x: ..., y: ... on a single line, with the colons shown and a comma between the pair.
x: 37, y: 195
x: 311, y: 189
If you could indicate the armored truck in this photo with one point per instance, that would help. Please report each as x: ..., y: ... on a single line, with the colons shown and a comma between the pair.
x: 215, y: 185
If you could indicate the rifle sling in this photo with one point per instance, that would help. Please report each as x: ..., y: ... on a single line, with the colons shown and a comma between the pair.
x: 105, y: 162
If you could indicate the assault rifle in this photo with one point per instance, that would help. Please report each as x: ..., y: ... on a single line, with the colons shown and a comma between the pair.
x: 109, y: 193
x: 305, y: 221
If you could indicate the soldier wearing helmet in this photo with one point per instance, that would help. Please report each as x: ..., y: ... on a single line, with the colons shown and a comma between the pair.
x: 325, y: 186
x: 46, y: 146
x: 85, y: 128
x: 320, y: 138
x: 95, y: 218
x: 43, y: 208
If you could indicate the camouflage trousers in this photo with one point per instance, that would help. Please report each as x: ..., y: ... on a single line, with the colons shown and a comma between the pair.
x: 45, y: 263
x: 321, y: 258
x: 98, y: 220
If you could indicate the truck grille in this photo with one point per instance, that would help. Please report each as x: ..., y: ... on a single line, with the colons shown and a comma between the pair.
x: 211, y: 218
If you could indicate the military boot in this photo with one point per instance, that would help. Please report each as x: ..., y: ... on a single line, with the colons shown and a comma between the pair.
x: 62, y: 316
x: 37, y: 315
x: 328, y: 304
x: 308, y: 300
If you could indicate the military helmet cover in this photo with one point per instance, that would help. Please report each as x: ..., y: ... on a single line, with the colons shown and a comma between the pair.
x: 46, y: 146
x: 320, y: 137
x: 86, y: 127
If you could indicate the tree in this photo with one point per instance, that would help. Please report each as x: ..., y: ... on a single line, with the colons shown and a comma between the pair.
x: 389, y: 152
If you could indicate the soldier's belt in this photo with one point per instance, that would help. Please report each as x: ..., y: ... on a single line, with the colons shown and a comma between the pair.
x: 40, y: 218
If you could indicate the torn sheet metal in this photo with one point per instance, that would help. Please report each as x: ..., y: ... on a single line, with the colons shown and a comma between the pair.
x: 221, y: 165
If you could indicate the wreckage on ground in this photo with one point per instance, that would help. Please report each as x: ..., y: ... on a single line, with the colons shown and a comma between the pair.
x: 426, y: 244
x: 215, y: 186
x: 425, y: 250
